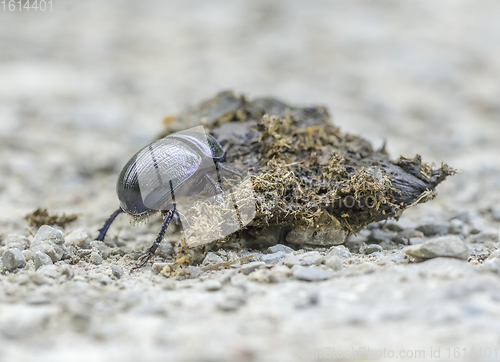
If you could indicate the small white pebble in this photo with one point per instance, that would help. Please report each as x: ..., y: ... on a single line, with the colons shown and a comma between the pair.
x: 116, y: 271
x: 212, y: 285
x: 95, y: 258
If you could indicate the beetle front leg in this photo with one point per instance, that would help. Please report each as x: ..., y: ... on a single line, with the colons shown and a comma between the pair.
x: 149, y: 254
x: 107, y: 224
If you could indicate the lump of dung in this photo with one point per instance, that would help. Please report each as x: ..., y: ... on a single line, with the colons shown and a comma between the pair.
x: 42, y: 217
x: 312, y: 184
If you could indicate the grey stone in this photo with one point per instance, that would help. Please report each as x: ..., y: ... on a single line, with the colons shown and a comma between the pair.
x: 50, y: 271
x: 102, y: 249
x: 491, y: 265
x: 250, y: 267
x: 76, y: 238
x: 333, y: 262
x: 311, y: 258
x: 341, y: 251
x: 116, y: 271
x: 311, y: 273
x: 212, y: 258
x: 378, y: 236
x: 434, y: 228
x: 165, y: 250
x: 291, y: 260
x: 446, y: 246
x: 212, y: 285
x: 457, y: 226
x: 323, y: 235
x: 193, y: 271
x: 373, y: 226
x: 397, y: 257
x: 373, y: 248
x: 41, y: 259
x: 393, y: 226
x: 445, y: 268
x: 404, y: 236
x: 305, y: 259
x: 73, y: 251
x: 51, y: 242
x: 273, y: 258
x: 13, y: 259
x: 484, y: 237
x: 86, y: 245
x: 415, y: 241
x: 477, y: 225
x: 95, y: 258
x: 15, y: 241
x: 279, y: 247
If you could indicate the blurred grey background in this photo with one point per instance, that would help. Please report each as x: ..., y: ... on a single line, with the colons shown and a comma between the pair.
x: 83, y: 86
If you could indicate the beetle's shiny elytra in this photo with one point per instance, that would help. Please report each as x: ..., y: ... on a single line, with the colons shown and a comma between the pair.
x: 172, y: 167
x: 183, y: 158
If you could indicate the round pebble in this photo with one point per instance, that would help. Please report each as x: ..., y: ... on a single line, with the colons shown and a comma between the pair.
x: 95, y: 258
x: 13, y: 259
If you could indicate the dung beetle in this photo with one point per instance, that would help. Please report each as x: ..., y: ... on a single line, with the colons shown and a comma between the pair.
x: 177, y: 165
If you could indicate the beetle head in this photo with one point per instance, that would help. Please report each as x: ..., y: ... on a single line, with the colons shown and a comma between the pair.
x: 129, y: 192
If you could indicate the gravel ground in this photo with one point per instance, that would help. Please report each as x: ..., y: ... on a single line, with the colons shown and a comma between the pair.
x: 86, y: 85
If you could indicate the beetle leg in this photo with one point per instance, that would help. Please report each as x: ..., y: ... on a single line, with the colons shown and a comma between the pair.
x: 149, y: 254
x: 107, y: 224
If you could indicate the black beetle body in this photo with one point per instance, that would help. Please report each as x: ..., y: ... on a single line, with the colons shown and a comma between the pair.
x: 175, y: 166
x: 181, y: 158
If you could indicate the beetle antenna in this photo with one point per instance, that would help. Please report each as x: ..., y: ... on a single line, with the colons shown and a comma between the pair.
x: 107, y: 224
